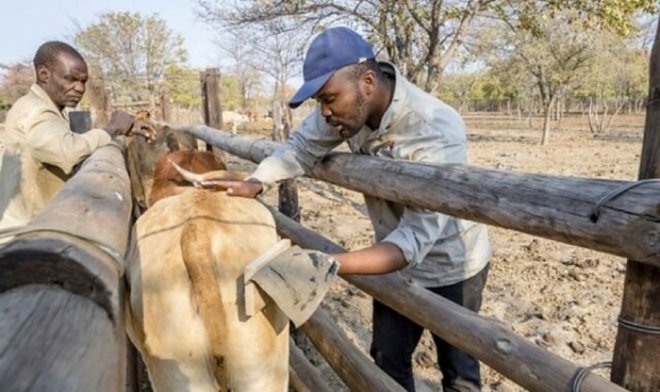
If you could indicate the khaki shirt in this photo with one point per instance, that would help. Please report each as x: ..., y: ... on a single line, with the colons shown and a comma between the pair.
x: 40, y: 154
x: 440, y: 250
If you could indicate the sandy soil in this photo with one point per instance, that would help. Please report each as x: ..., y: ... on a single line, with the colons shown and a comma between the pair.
x: 563, y: 298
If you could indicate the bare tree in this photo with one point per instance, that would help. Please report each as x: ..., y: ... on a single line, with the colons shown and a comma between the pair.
x: 16, y: 80
x: 132, y: 53
x: 553, y: 56
x: 245, y: 66
x: 420, y: 36
x: 274, y: 46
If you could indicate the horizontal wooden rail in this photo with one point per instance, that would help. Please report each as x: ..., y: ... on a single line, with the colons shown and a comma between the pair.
x: 61, y: 327
x: 358, y: 372
x: 303, y: 376
x: 553, y: 207
x: 524, y: 363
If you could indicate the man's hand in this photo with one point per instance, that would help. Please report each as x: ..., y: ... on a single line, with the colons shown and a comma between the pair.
x: 250, y: 188
x: 143, y: 128
x: 122, y: 123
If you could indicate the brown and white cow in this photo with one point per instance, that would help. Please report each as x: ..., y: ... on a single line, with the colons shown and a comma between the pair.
x: 185, y: 311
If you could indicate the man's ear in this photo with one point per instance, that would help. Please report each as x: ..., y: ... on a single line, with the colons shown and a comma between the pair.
x: 369, y: 82
x: 43, y: 74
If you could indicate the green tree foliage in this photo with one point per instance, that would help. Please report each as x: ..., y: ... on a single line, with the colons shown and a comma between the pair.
x: 230, y: 91
x: 552, y: 56
x: 613, y: 15
x: 132, y: 52
x: 183, y: 86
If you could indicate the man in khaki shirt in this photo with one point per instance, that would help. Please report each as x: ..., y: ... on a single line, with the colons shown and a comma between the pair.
x: 41, y: 151
x: 373, y: 108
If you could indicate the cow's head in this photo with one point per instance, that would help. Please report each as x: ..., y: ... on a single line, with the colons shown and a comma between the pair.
x: 168, y: 177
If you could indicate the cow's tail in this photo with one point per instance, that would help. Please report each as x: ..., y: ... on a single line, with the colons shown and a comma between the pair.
x: 200, y: 264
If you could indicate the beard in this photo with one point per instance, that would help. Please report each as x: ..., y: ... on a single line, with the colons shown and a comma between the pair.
x: 355, y: 120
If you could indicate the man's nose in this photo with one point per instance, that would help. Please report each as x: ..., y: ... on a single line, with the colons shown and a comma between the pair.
x: 325, y: 111
x: 79, y: 87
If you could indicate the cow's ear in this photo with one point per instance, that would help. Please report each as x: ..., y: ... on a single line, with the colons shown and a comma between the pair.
x: 172, y: 142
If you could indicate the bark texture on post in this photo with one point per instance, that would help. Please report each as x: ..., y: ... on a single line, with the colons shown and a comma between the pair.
x: 357, y: 371
x: 303, y: 376
x: 211, y: 106
x: 211, y: 98
x: 165, y: 106
x: 62, y: 327
x: 636, y: 362
x: 287, y: 190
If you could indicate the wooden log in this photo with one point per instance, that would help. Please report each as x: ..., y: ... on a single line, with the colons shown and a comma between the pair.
x: 636, y: 361
x: 491, y: 342
x: 357, y: 371
x: 61, y: 280
x: 553, y: 207
x: 288, y: 199
x: 54, y: 340
x: 303, y: 376
x: 287, y: 190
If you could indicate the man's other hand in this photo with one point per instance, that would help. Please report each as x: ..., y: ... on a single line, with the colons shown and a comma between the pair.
x: 143, y: 128
x: 124, y: 124
x: 120, y: 124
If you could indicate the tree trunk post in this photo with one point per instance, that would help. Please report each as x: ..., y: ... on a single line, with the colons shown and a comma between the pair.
x: 211, y: 106
x: 165, y: 106
x: 288, y: 190
x: 637, y: 349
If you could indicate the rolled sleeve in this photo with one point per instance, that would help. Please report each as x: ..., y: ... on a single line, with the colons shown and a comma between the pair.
x: 51, y: 141
x: 417, y: 233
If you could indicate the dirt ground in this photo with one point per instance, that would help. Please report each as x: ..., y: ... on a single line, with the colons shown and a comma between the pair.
x: 563, y: 298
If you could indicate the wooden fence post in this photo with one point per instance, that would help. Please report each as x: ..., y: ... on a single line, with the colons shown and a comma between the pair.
x: 211, y: 106
x: 165, y: 106
x: 636, y: 362
x: 62, y: 326
x: 288, y: 190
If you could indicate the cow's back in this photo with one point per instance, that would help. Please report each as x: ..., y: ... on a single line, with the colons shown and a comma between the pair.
x: 207, y: 236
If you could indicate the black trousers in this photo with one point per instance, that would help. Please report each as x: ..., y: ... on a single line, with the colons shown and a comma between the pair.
x: 395, y: 338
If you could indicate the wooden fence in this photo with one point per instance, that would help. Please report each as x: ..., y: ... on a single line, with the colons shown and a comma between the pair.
x: 525, y: 363
x: 60, y: 277
x: 61, y: 323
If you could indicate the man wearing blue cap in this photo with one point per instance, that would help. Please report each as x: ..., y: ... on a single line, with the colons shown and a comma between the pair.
x: 378, y: 112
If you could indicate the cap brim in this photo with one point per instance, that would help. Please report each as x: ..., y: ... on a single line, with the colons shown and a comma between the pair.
x: 308, y: 89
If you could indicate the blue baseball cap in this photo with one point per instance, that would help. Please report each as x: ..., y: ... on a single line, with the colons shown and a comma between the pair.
x: 331, y: 50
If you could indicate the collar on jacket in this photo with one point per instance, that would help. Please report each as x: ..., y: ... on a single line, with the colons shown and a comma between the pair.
x: 399, y: 98
x: 43, y: 95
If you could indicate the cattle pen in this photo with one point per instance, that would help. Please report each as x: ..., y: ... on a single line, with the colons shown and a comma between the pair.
x: 61, y: 293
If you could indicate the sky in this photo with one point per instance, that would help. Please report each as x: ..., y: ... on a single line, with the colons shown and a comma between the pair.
x: 26, y: 24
